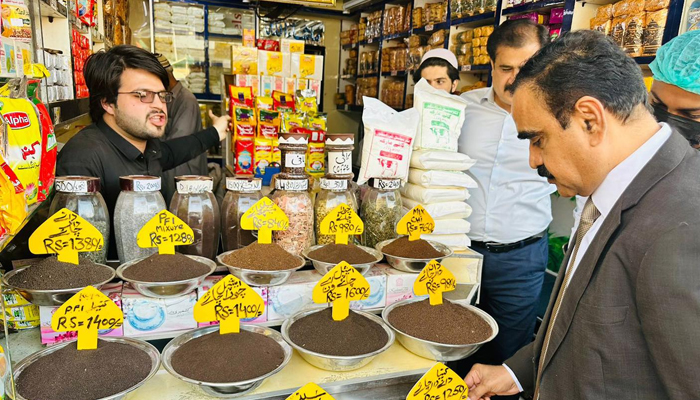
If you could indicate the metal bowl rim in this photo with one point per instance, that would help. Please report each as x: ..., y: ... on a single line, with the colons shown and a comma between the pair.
x: 489, y: 319
x: 301, y: 314
x: 211, y: 264
x: 437, y: 245
x: 373, y: 252
x: 220, y: 259
x: 167, y: 354
x: 5, y: 280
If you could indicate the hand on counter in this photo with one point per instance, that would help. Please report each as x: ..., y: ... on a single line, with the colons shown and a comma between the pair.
x: 485, y: 381
x: 220, y: 123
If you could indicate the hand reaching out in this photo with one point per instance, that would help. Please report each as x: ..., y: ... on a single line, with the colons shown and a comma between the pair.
x: 485, y: 381
x: 220, y: 123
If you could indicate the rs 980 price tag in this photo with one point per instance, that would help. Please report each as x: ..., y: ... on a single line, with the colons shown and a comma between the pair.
x: 433, y: 281
x: 342, y: 222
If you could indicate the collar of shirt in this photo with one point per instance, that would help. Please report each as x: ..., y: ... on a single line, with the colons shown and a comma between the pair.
x: 123, y: 145
x: 489, y: 97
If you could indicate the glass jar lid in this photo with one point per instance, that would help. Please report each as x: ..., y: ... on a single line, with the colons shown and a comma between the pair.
x: 239, y: 184
x: 294, y: 185
x: 187, y: 184
x: 340, y: 139
x: 77, y: 184
x: 139, y: 183
x: 385, y: 183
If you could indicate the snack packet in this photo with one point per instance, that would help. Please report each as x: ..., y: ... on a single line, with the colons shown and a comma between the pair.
x: 317, y: 123
x: 241, y: 96
x: 441, y: 117
x: 245, y: 157
x: 306, y: 102
x: 276, y: 153
x: 24, y: 143
x: 263, y: 103
x: 283, y: 102
x: 291, y: 121
x: 268, y: 124
x: 13, y: 204
x: 47, y: 169
x: 315, y: 158
x: 263, y: 155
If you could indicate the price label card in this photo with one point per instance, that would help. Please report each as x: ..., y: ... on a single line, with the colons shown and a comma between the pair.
x: 310, y: 391
x: 66, y: 234
x: 439, y: 383
x: 415, y: 223
x: 86, y: 312
x: 340, y: 286
x: 433, y: 280
x: 264, y: 217
x: 229, y: 301
x: 165, y: 231
x: 342, y: 222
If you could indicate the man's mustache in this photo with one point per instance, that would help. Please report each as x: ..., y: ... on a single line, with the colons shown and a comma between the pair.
x: 544, y: 172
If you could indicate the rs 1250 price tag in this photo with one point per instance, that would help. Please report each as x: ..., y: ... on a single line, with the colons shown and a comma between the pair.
x: 165, y: 231
x: 340, y: 286
x: 229, y: 301
x: 66, y: 234
x: 439, y: 383
x: 415, y: 223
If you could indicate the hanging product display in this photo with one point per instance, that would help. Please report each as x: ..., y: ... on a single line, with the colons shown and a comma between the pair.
x: 242, y: 194
x: 381, y: 211
x: 196, y: 205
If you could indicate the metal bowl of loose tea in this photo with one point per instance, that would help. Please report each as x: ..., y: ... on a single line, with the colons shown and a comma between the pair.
x: 412, y: 256
x: 447, y: 332
x: 261, y: 264
x: 326, y: 256
x: 51, y: 282
x: 166, y: 276
x: 118, y: 366
x: 227, y: 365
x: 316, y: 336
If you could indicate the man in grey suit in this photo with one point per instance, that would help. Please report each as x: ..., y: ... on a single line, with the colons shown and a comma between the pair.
x: 624, y: 315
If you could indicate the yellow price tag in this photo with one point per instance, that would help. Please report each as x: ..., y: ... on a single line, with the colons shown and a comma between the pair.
x: 310, y: 391
x: 342, y: 222
x: 439, y: 383
x: 433, y: 280
x: 86, y: 312
x: 415, y: 223
x: 165, y: 231
x: 307, y: 65
x: 229, y: 301
x: 274, y: 63
x: 66, y: 234
x: 339, y: 286
x: 265, y: 217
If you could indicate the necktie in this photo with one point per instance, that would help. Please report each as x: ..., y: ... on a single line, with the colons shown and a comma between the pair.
x: 588, y: 217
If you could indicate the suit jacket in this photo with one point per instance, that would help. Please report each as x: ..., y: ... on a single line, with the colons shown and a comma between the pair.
x: 629, y: 323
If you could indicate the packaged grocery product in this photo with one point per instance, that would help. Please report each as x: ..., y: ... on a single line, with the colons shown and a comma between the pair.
x: 291, y: 121
x: 283, y: 102
x: 244, y: 122
x: 456, y: 242
x: 433, y: 195
x: 441, y: 160
x: 263, y: 103
x: 23, y: 143
x: 486, y: 31
x: 617, y: 30
x: 452, y: 226
x: 263, y: 155
x: 556, y: 16
x: 276, y: 153
x: 268, y: 45
x: 244, y: 60
x: 315, y: 159
x: 273, y: 63
x: 314, y: 136
x: 268, y: 84
x: 307, y: 66
x: 605, y: 12
x: 441, y: 117
x: 446, y: 210
x: 19, y: 25
x: 437, y: 38
x: 464, y: 37
x: 628, y: 7
x: 554, y: 31
x: 318, y: 122
x: 85, y: 11
x: 654, y: 25
x: 292, y: 46
x: 251, y: 81
x: 240, y: 96
x: 245, y: 157
x: 416, y: 41
x: 601, y: 25
x: 306, y: 102
x: 388, y: 142
x: 268, y: 123
x: 429, y: 178
x: 633, y: 34
x: 478, y: 32
x: 418, y: 17
x: 13, y: 203
x: 47, y: 170
x: 656, y: 5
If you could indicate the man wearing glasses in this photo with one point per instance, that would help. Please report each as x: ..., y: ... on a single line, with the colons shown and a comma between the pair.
x: 128, y: 107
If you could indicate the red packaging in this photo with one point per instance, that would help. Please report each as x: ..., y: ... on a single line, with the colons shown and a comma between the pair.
x: 314, y: 136
x: 268, y: 45
x: 47, y: 169
x: 245, y: 131
x: 282, y: 102
x: 244, y: 157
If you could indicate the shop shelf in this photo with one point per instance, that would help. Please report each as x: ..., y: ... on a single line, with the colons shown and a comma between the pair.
x: 370, y: 41
x: 349, y: 46
x: 162, y: 31
x: 475, y: 68
x: 644, y: 60
x: 222, y: 36
x: 348, y: 77
x: 396, y: 36
x: 431, y: 27
x: 394, y: 73
x: 540, y: 5
x: 475, y: 20
x: 47, y: 10
x: 371, y: 75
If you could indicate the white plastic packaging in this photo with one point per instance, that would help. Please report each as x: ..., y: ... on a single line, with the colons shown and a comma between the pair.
x: 441, y: 117
x: 446, y: 210
x: 456, y: 242
x: 441, y: 178
x: 441, y: 160
x: 433, y: 195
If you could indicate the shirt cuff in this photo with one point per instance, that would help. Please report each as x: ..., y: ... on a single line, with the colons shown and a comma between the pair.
x: 512, y: 375
x: 209, y: 136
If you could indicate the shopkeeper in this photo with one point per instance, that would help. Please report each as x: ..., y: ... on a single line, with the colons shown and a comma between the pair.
x: 128, y: 106
x: 439, y: 68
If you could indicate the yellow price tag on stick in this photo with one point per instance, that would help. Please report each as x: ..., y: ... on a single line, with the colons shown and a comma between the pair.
x: 229, y: 301
x: 165, y: 231
x: 265, y: 217
x: 66, y: 234
x: 86, y: 312
x: 433, y: 280
x: 439, y: 383
x: 415, y: 223
x: 342, y: 222
x: 340, y: 286
x: 310, y: 391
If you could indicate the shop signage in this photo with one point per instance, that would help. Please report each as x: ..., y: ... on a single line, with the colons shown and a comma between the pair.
x: 66, y: 234
x: 340, y: 286
x: 415, y: 223
x: 165, y: 231
x: 439, y: 383
x: 264, y: 217
x: 433, y: 281
x: 229, y: 301
x: 342, y: 222
x: 310, y: 391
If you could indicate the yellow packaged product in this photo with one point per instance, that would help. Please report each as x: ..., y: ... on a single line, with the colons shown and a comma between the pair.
x: 656, y: 5
x: 601, y: 25
x: 263, y: 103
x: 22, y: 313
x: 477, y: 32
x: 13, y: 203
x: 486, y: 31
x: 315, y: 158
x: 268, y: 123
x: 476, y: 42
x: 13, y: 298
x: 244, y: 60
x: 21, y: 325
x: 617, y: 31
x: 633, y: 34
x: 605, y: 12
x: 654, y: 25
x: 306, y: 102
x: 290, y: 121
x: 263, y: 154
x: 317, y: 123
x: 276, y: 153
x: 24, y: 143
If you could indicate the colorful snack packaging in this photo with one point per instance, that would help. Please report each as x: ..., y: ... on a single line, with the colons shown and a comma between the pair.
x: 283, y: 102
x: 276, y: 153
x: 244, y: 123
x: 318, y: 122
x: 244, y: 157
x: 268, y: 124
x: 47, y: 170
x: 244, y: 60
x: 291, y: 121
x: 263, y: 103
x: 263, y: 155
x: 241, y: 96
x: 306, y: 102
x: 24, y: 143
x: 654, y: 25
x: 633, y: 34
x: 13, y: 204
x: 315, y: 158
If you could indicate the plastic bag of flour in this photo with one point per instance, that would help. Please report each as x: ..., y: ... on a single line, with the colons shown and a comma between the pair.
x: 388, y: 142
x: 441, y: 117
x: 441, y: 178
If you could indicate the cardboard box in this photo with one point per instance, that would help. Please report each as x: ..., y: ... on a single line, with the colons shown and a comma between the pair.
x: 399, y: 284
x: 306, y: 66
x: 273, y: 63
x: 270, y: 83
x: 292, y: 46
x: 377, y: 293
x: 145, y: 316
x: 247, y: 81
x: 211, y: 281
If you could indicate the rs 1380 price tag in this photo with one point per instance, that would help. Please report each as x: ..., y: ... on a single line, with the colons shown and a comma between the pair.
x: 433, y: 280
x: 415, y: 223
x: 310, y: 391
x: 229, y: 301
x: 66, y: 234
x: 439, y: 383
x: 340, y: 286
x: 265, y: 217
x: 86, y: 312
x: 342, y: 222
x: 165, y: 231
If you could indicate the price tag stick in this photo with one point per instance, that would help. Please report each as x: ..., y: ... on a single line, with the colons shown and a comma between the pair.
x: 339, y: 286
x: 342, y: 222
x: 66, y: 234
x: 310, y: 391
x: 439, y: 382
x: 229, y: 301
x: 434, y: 280
x: 265, y: 217
x: 165, y: 231
x: 415, y: 222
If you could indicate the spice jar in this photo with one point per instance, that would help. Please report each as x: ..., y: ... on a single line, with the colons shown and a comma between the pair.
x: 334, y: 192
x: 293, y: 149
x: 292, y: 196
x: 381, y: 211
x: 196, y: 205
x: 139, y: 201
x: 339, y: 147
x: 81, y: 194
x: 242, y: 194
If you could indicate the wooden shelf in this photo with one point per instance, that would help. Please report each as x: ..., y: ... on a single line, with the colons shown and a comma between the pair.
x: 476, y: 20
x: 537, y: 6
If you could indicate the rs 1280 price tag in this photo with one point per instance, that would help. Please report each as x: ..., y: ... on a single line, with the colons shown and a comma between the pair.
x: 165, y: 231
x: 439, y: 383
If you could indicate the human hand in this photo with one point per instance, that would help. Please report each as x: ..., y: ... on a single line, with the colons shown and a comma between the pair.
x: 220, y: 123
x: 485, y: 381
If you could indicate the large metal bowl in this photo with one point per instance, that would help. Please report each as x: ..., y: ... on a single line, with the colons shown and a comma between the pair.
x: 323, y: 267
x: 414, y: 265
x: 139, y: 344
x: 439, y: 351
x: 51, y: 298
x: 336, y: 363
x: 165, y: 290
x: 259, y: 278
x: 232, y: 389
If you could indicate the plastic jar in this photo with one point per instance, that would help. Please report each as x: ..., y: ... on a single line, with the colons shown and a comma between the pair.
x: 194, y: 203
x: 381, y: 211
x: 139, y: 201
x: 292, y: 196
x: 293, y: 152
x: 339, y: 147
x: 81, y: 194
x: 334, y: 192
x: 242, y: 194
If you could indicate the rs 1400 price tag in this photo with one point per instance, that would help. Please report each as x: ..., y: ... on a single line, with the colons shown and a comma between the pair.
x: 415, y: 223
x: 439, y: 383
x: 310, y: 391
x: 264, y: 217
x: 66, y: 234
x: 433, y: 280
x: 340, y: 286
x: 229, y: 301
x: 342, y: 222
x: 165, y: 231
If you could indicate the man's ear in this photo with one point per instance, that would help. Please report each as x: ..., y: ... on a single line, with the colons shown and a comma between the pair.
x: 108, y: 107
x: 455, y: 83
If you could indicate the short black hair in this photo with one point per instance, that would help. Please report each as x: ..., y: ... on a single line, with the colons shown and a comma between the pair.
x: 584, y: 63
x: 452, y: 72
x: 103, y: 71
x: 516, y: 33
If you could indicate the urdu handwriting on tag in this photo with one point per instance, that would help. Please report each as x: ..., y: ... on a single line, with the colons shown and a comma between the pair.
x: 439, y: 383
x: 339, y: 286
x: 342, y: 222
x: 265, y: 217
x: 415, y: 223
x: 229, y: 301
x: 66, y: 234
x: 165, y: 231
x: 433, y: 280
x: 310, y: 391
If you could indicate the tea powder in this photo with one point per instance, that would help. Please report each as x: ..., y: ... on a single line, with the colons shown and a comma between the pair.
x: 165, y: 268
x: 417, y: 249
x: 51, y: 274
x: 262, y: 257
x: 335, y: 253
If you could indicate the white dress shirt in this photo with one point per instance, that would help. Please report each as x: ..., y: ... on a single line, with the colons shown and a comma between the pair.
x: 512, y: 201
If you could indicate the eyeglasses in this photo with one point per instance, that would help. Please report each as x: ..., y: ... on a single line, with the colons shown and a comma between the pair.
x: 147, y: 96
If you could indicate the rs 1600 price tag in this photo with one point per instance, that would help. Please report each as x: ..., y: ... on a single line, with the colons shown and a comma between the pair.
x: 339, y: 286
x: 165, y: 231
x: 66, y: 234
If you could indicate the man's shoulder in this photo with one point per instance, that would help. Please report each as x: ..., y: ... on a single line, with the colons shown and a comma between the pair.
x: 86, y: 143
x: 475, y: 96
